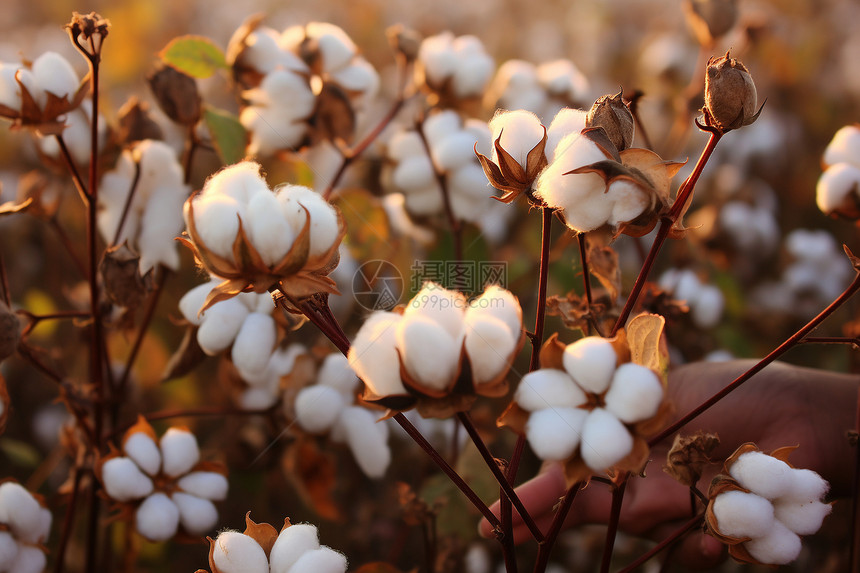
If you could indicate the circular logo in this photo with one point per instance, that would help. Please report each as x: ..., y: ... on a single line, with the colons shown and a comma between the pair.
x: 377, y: 285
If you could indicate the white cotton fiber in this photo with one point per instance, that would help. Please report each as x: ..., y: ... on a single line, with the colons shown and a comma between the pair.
x: 157, y: 518
x: 445, y: 307
x: 500, y: 303
x: 208, y: 485
x: 454, y: 151
x: 741, y: 514
x: 336, y: 373
x: 762, y: 474
x: 19, y: 509
x: 179, y: 451
x: 554, y: 433
x: 635, y: 393
x: 290, y: 545
x: 437, y: 56
x: 143, y: 450
x: 216, y: 219
x: 844, y: 147
x: 709, y: 307
x: 322, y: 560
x: 567, y: 122
x: 489, y: 345
x: 220, y: 326
x: 56, y: 75
x: 8, y: 550
x: 29, y: 560
x: 368, y: 444
x: 192, y: 301
x: 628, y: 201
x: 318, y: 407
x: 834, y: 186
x: 267, y: 228
x: 605, y: 440
x: 373, y: 355
x: 295, y: 199
x: 806, y: 485
x: 413, y: 173
x: 254, y: 344
x: 429, y: 353
x: 546, y: 388
x: 778, y: 547
x: 591, y: 363
x: 124, y: 481
x: 803, y: 518
x: 196, y: 515
x: 237, y: 553
x: 520, y: 131
x: 359, y: 76
x: 336, y: 47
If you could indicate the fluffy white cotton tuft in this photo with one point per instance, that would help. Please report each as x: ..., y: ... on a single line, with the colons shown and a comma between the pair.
x: 267, y: 229
x: 323, y: 227
x: 635, y: 393
x: 8, y: 550
x: 806, y: 485
x: 55, y: 74
x: 179, y: 451
x: 196, y: 515
x: 442, y: 306
x: 430, y: 355
x: 835, y: 185
x: 554, y: 433
x: 318, y: 407
x: 591, y: 362
x: 220, y: 325
x: 254, y: 344
x: 237, y: 553
x: 803, y: 518
x: 19, y: 509
x: 605, y: 440
x: 844, y: 147
x: 373, y: 354
x: 368, y: 444
x: 322, y: 560
x: 144, y: 451
x: 157, y: 518
x: 336, y: 373
x: 778, y: 547
x: 709, y: 307
x: 520, y: 131
x: 500, y: 303
x: 291, y: 544
x: 208, y: 485
x: 741, y: 514
x: 28, y: 560
x: 124, y: 481
x: 546, y: 388
x: 762, y: 474
x: 489, y: 345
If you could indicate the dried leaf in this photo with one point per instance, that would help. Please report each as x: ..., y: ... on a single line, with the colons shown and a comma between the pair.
x: 603, y: 264
x: 552, y: 353
x: 314, y: 475
x: 186, y: 358
x: 689, y: 455
x: 10, y: 207
x: 646, y: 342
x: 120, y: 270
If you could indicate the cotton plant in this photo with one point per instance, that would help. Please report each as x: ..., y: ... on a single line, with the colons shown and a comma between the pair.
x: 76, y: 135
x: 439, y: 351
x: 244, y: 327
x: 761, y: 506
x: 254, y: 238
x: 151, y: 218
x: 837, y: 192
x: 454, y: 67
x: 162, y: 484
x: 705, y: 301
x: 263, y: 549
x: 542, y: 89
x: 329, y: 407
x: 25, y: 524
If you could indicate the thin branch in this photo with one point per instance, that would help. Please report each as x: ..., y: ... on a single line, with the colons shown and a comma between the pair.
x: 73, y: 170
x: 128, y: 201
x: 68, y: 521
x: 614, y: 518
x: 558, y: 519
x: 669, y: 540
x: 854, y: 556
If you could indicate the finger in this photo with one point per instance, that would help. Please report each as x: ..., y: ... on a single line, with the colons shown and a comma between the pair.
x: 538, y: 495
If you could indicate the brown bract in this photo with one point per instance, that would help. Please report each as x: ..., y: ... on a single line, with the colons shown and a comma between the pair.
x: 612, y: 114
x: 264, y: 534
x: 135, y: 123
x: 298, y: 274
x: 176, y: 94
x: 508, y: 176
x: 689, y: 455
x: 730, y: 94
x: 47, y: 120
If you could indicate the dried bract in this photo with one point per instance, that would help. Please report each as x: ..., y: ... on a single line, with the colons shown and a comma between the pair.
x: 612, y: 114
x: 136, y: 123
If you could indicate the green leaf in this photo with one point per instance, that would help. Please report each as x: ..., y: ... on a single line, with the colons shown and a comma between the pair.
x: 228, y: 135
x: 196, y: 56
x: 20, y: 453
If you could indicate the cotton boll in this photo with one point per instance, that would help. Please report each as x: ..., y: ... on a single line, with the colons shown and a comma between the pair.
x: 437, y: 57
x: 28, y: 560
x: 8, y: 549
x: 404, y: 145
x: 802, y: 517
x: 267, y: 229
x: 430, y: 355
x: 440, y: 125
x: 291, y: 544
x: 477, y: 559
x: 192, y: 301
x: 159, y: 225
x: 369, y: 448
x: 470, y: 193
x: 322, y: 560
x: 444, y: 307
x: 143, y: 450
x: 806, y: 485
x: 554, y: 433
x: 323, y: 227
x: 254, y: 344
x: 336, y: 373
x: 605, y: 440
x: 741, y: 514
x: 520, y: 131
x: 44, y: 530
x: 19, y: 509
x: 546, y: 388
x: 635, y: 393
x: 500, y: 303
x: 709, y: 307
x: 413, y: 173
x: 262, y: 52
x: 318, y: 407
x: 179, y: 451
x: 454, y: 151
x: 10, y: 91
x: 221, y: 324
x: 216, y: 219
x: 373, y: 355
x: 481, y: 133
x: 779, y: 547
x: 489, y: 346
x: 424, y: 202
x: 844, y: 147
x: 124, y: 481
x: 835, y: 185
x: 55, y: 75
x: 567, y: 122
x: 591, y: 362
x: 628, y: 201
x: 240, y: 181
x: 237, y: 553
x: 762, y: 474
x: 359, y: 76
x: 266, y: 139
x: 196, y: 515
x: 562, y: 78
x: 336, y: 47
x: 205, y: 484
x: 157, y: 518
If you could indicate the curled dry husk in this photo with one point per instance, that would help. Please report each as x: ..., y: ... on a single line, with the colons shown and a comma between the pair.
x: 641, y: 342
x: 508, y: 176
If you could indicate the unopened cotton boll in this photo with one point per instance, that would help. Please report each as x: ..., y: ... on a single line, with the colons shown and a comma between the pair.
x: 318, y: 407
x: 221, y: 323
x: 547, y: 388
x: 591, y: 362
x: 803, y: 518
x: 430, y: 355
x: 28, y: 560
x: 369, y: 448
x: 196, y: 515
x: 322, y: 560
x: 237, y: 553
x: 605, y: 440
x: 254, y: 344
x: 157, y: 518
x: 635, y: 393
x: 762, y: 474
x: 778, y: 547
x: 489, y: 346
x: 554, y: 433
x: 373, y: 354
x: 144, y: 451
x: 844, y: 147
x: 179, y: 451
x: 444, y: 307
x: 520, y: 132
x: 124, y: 481
x: 205, y: 484
x: 742, y: 514
x: 291, y: 544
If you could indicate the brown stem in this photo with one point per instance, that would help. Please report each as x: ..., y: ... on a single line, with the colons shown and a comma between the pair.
x: 192, y: 143
x: 854, y: 555
x: 558, y: 519
x: 586, y: 277
x: 853, y: 341
x: 128, y: 201
x: 614, y: 518
x: 68, y: 521
x: 669, y: 540
x: 73, y: 170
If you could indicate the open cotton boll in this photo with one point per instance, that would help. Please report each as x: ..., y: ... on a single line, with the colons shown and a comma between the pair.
x: 265, y: 138
x: 19, y: 509
x: 709, y: 307
x: 424, y: 201
x: 124, y: 481
x: 404, y: 145
x: 143, y: 450
x: 844, y: 147
x: 412, y: 173
x: 835, y: 185
x: 437, y: 56
x: 28, y: 560
x: 157, y: 518
x: 591, y: 362
x: 567, y: 122
x: 563, y: 78
x: 8, y: 549
x: 803, y: 518
x: 216, y: 219
x: 55, y: 75
x: 742, y: 514
x: 778, y: 547
x: 454, y: 151
x: 192, y: 301
x: 254, y: 344
x: 762, y: 474
x: 234, y: 552
x: 179, y: 451
x: 336, y: 47
x: 429, y: 353
x: 336, y: 373
x: 554, y: 433
x: 373, y: 354
x: 239, y: 181
x: 489, y: 345
x: 318, y: 407
x: 205, y: 484
x: 546, y: 388
x: 322, y: 560
x: 605, y: 440
x: 440, y: 125
x: 267, y: 229
x: 10, y: 91
x: 520, y: 131
x: 291, y: 544
x: 500, y: 303
x: 628, y: 201
x: 359, y: 76
x: 196, y: 515
x: 369, y: 448
x: 323, y: 227
x: 635, y: 393
x: 221, y: 323
x: 444, y: 307
x: 470, y: 192
x: 806, y: 485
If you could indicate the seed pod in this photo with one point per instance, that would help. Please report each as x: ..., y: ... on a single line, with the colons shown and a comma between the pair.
x: 610, y: 113
x: 730, y: 94
x: 176, y: 94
